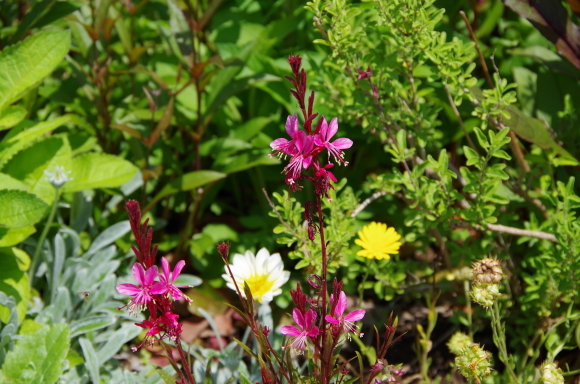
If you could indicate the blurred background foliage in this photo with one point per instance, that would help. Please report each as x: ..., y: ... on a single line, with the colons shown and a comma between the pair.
x: 191, y: 93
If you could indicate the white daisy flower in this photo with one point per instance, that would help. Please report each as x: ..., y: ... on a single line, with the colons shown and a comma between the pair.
x: 264, y: 274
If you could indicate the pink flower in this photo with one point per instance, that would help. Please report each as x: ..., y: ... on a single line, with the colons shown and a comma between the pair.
x: 168, y: 278
x: 304, y: 330
x: 284, y: 146
x: 364, y: 74
x: 302, y: 158
x: 327, y: 131
x: 142, y: 294
x: 347, y: 322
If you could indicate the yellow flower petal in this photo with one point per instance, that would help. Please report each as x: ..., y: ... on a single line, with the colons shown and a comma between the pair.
x: 378, y: 241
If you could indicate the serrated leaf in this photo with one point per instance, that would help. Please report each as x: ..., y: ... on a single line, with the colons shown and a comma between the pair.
x: 24, y: 65
x: 11, y: 116
x: 30, y: 165
x: 19, y: 138
x: 98, y: 170
x: 20, y: 209
x: 37, y: 358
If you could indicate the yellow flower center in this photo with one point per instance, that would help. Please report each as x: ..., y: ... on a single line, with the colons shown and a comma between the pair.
x: 259, y: 285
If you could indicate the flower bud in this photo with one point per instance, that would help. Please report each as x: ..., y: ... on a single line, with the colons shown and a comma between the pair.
x: 59, y: 177
x: 551, y: 374
x: 474, y: 362
x: 485, y: 294
x: 458, y: 342
x: 487, y: 271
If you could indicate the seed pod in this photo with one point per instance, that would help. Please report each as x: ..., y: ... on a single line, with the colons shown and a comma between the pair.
x: 487, y: 271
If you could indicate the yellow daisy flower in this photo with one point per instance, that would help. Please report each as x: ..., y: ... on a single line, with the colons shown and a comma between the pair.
x: 378, y: 241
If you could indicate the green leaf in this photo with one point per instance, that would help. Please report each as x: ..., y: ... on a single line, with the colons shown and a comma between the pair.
x: 11, y: 116
x: 109, y: 235
x: 8, y: 182
x: 30, y: 164
x: 167, y: 378
x: 88, y: 324
x: 187, y: 182
x: 13, y: 236
x: 14, y: 280
x: 20, y: 209
x: 37, y: 358
x: 471, y: 155
x: 91, y: 361
x: 19, y: 137
x: 97, y: 170
x: 528, y: 128
x: 24, y: 65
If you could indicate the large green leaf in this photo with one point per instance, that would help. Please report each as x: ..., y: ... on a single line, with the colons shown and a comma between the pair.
x: 24, y: 65
x: 30, y: 164
x: 37, y: 358
x: 14, y: 280
x: 97, y: 170
x: 11, y: 116
x: 20, y: 208
x: 187, y: 182
x: 18, y: 138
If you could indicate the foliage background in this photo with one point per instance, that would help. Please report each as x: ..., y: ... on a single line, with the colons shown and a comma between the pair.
x: 184, y: 97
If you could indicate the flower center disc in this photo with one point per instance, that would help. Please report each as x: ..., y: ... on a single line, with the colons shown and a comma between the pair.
x: 259, y: 285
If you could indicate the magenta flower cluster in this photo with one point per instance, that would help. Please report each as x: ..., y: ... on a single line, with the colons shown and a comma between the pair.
x: 305, y: 145
x: 306, y: 328
x: 154, y: 291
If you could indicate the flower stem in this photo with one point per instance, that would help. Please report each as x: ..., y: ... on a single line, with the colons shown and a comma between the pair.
x: 36, y: 256
x: 469, y: 314
x: 499, y: 340
x: 184, y: 362
x: 325, y: 369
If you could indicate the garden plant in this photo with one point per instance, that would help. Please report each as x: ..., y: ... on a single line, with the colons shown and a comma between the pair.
x: 289, y: 192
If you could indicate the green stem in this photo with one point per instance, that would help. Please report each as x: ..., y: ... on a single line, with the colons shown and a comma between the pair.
x: 361, y: 288
x: 36, y: 256
x: 469, y: 315
x: 499, y: 340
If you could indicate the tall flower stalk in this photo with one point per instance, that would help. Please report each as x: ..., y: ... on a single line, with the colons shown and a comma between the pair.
x: 155, y: 292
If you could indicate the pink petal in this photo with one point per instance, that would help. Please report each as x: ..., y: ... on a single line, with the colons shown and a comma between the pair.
x: 342, y: 143
x: 138, y: 273
x: 332, y: 320
x: 279, y: 143
x: 355, y: 315
x: 332, y: 128
x: 298, y: 318
x: 150, y: 275
x: 306, y: 162
x: 128, y: 289
x: 309, y: 318
x: 340, y: 305
x: 290, y: 330
x: 177, y: 270
x: 158, y: 289
x: 318, y: 141
x: 313, y: 332
x: 165, y: 268
x: 292, y: 125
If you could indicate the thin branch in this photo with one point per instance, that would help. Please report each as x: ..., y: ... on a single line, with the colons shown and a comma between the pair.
x: 479, y: 53
x: 366, y: 202
x: 521, y: 232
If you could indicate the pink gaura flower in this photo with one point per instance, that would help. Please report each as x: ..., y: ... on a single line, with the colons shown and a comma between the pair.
x: 305, y: 329
x: 303, y: 156
x: 327, y: 131
x: 142, y: 294
x: 347, y: 322
x: 284, y: 146
x: 168, y: 278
